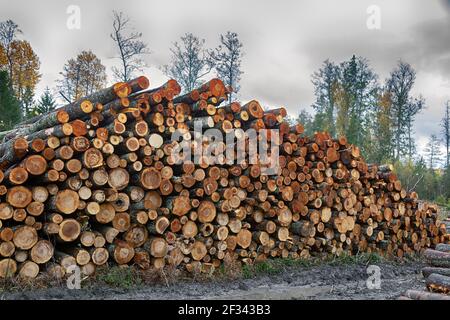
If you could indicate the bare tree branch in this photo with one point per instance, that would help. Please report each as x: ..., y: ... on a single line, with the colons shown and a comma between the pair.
x: 189, y: 62
x: 129, y: 46
x: 226, y: 59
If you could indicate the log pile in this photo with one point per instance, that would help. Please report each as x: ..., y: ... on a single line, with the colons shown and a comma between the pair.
x: 97, y: 182
x: 436, y: 274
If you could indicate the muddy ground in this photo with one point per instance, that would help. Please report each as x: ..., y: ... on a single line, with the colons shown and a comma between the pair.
x: 327, y: 281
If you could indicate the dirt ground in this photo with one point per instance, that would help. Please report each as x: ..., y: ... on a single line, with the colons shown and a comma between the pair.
x: 314, y: 282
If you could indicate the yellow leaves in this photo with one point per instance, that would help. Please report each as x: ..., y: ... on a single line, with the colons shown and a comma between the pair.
x: 82, y: 76
x: 3, y: 58
x: 385, y: 101
x: 25, y: 67
x: 341, y: 99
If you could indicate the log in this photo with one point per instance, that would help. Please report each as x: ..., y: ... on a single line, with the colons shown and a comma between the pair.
x: 65, y: 260
x: 141, y: 259
x: 28, y: 270
x: 19, y: 196
x: 429, y: 270
x: 42, y: 252
x: 179, y: 205
x: 150, y: 178
x: 136, y: 235
x: 198, y: 251
x: 99, y: 256
x: 424, y: 295
x: 79, y: 108
x: 109, y: 233
x: 8, y: 268
x: 88, y: 269
x: 17, y: 175
x: 158, y: 247
x: 206, y: 211
x: 69, y: 230
x: 106, y: 213
x: 66, y: 201
x: 87, y: 238
x: 25, y: 237
x: 158, y: 226
x: 7, y: 249
x: 121, y: 251
x: 444, y: 247
x: 438, y: 283
x: 243, y: 238
x: 121, y: 221
x: 437, y: 258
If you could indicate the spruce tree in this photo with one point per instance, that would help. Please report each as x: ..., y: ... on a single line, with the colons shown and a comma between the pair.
x: 9, y: 106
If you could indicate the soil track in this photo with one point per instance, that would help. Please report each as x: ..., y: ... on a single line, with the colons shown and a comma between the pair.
x: 327, y: 281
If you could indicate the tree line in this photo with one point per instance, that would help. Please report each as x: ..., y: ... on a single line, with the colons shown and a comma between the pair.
x: 379, y: 117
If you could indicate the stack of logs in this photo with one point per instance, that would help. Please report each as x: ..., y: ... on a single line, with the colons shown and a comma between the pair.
x: 97, y: 182
x: 436, y: 274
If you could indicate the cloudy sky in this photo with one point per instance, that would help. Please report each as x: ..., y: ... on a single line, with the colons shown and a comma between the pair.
x: 284, y: 41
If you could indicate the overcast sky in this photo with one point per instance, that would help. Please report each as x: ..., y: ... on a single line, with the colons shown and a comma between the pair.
x: 284, y: 41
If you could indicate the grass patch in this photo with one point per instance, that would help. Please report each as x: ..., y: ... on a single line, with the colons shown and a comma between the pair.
x: 273, y: 266
x: 361, y: 258
x: 121, y: 277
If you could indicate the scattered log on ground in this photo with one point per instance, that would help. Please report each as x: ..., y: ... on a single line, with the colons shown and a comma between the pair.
x: 437, y: 258
x: 438, y: 283
x: 424, y: 295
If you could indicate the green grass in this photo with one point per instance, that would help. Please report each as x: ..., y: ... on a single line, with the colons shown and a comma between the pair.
x: 121, y: 277
x: 361, y: 258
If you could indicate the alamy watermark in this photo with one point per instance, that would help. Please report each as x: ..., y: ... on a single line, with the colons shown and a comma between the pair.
x: 373, y: 21
x: 374, y: 279
x: 74, y: 279
x: 73, y: 21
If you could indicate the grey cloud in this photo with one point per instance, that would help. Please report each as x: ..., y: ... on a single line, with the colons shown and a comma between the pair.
x: 433, y: 45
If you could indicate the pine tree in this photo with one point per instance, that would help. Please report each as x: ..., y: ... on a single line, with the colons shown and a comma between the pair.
x: 325, y: 82
x: 27, y: 102
x: 45, y: 104
x: 306, y: 120
x: 404, y: 109
x: 9, y: 106
x: 359, y: 83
